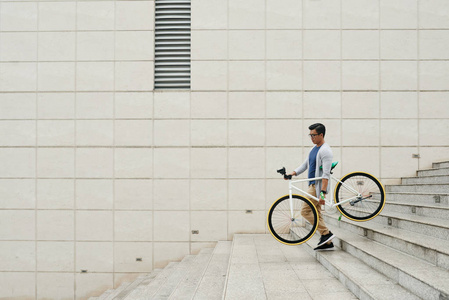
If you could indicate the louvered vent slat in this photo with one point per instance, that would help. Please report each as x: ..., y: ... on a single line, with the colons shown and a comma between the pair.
x: 172, y: 44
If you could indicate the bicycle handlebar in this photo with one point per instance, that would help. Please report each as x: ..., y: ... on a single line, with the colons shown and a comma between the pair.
x: 283, y: 172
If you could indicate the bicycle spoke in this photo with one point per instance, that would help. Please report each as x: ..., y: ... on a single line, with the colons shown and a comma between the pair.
x: 366, y: 206
x: 287, y: 227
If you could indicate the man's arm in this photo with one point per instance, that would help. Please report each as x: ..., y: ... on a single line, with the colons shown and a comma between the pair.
x: 300, y: 169
x: 327, y: 165
x: 324, y: 183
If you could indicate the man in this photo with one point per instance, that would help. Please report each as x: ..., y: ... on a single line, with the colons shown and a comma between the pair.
x: 319, y: 156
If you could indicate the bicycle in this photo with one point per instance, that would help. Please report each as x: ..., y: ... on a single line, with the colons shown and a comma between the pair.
x: 359, y: 196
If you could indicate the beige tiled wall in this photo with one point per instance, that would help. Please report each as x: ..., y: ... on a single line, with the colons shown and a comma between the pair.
x: 98, y: 169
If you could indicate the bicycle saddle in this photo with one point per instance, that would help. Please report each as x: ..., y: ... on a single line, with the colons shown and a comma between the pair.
x: 334, y: 164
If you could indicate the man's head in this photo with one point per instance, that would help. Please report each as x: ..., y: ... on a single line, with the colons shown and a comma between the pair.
x: 317, y: 133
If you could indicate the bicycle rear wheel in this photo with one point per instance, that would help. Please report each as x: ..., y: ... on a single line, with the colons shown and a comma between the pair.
x: 364, y: 207
x: 292, y: 229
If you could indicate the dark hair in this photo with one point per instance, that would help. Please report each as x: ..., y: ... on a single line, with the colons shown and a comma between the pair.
x: 320, y: 128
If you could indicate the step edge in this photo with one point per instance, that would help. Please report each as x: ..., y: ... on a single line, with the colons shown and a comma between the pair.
x: 397, y: 266
x: 205, y: 269
x: 183, y: 268
x: 219, y: 243
x: 425, y: 176
x: 406, y: 239
x: 119, y: 290
x: 420, y: 220
x: 418, y: 204
x: 205, y: 252
x: 416, y: 184
x: 319, y: 256
x: 169, y: 268
x: 416, y: 193
x: 432, y: 169
x: 225, y: 288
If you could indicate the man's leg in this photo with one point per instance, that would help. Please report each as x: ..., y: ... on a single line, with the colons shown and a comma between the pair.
x: 306, y: 212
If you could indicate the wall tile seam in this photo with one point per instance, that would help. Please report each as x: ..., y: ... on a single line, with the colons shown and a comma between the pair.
x: 72, y: 1
x: 328, y: 91
x: 310, y: 59
x: 221, y: 146
x: 75, y: 154
x: 75, y: 31
x: 380, y: 88
x: 135, y: 209
x: 36, y: 162
x: 303, y: 29
x: 114, y: 145
x: 242, y: 91
x: 80, y: 92
x: 100, y: 119
x: 153, y: 134
x: 87, y: 61
x: 84, y: 145
x: 207, y: 30
x: 265, y: 96
x: 224, y: 147
x: 144, y: 209
x: 190, y: 137
x: 227, y: 117
x: 341, y: 79
x: 418, y: 32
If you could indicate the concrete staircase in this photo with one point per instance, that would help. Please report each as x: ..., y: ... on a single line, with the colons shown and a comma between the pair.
x: 401, y: 254
x: 252, y: 266
x: 404, y: 252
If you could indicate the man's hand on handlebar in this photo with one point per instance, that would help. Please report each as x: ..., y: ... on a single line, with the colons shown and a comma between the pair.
x: 289, y: 176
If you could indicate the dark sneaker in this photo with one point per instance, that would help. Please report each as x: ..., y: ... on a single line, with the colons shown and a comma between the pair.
x: 325, y: 247
x: 326, y: 238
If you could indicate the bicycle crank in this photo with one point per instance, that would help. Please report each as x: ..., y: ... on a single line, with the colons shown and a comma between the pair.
x: 359, y: 199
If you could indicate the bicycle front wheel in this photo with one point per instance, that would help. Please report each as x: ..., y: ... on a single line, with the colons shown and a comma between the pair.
x: 364, y: 205
x: 292, y: 223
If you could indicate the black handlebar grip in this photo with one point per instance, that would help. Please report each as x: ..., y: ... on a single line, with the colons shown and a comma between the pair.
x: 282, y: 171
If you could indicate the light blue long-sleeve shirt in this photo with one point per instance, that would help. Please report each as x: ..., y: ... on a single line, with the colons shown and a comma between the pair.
x: 323, y: 158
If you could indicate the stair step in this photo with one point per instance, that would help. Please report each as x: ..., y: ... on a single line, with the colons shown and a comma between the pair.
x: 213, y: 282
x: 262, y: 268
x: 106, y: 294
x: 362, y: 280
x: 419, y: 188
x: 432, y: 250
x: 118, y: 290
x: 437, y: 179
x: 419, y: 277
x: 431, y: 226
x: 161, y: 277
x: 433, y: 172
x: 141, y: 280
x: 418, y: 209
x: 167, y: 288
x: 244, y: 275
x: 440, y: 165
x: 428, y: 198
x: 438, y: 228
x: 187, y: 287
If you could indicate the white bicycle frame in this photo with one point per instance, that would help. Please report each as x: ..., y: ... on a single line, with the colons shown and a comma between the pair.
x: 328, y: 200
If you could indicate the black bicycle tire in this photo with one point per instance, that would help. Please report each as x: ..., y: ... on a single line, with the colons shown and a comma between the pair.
x: 279, y: 238
x: 357, y: 218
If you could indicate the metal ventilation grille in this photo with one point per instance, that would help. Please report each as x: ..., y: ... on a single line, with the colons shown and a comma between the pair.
x: 172, y: 41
